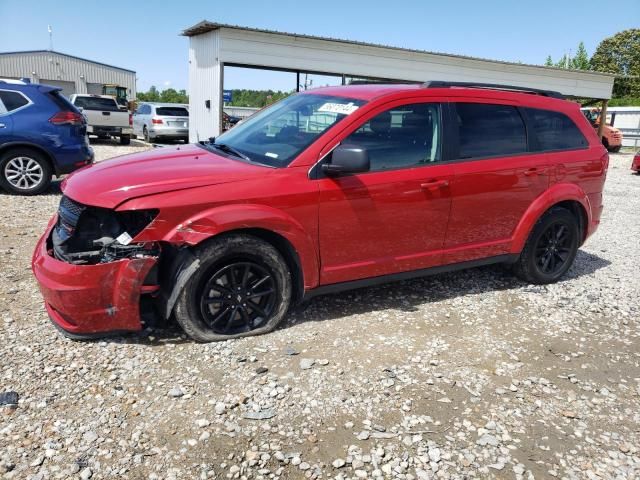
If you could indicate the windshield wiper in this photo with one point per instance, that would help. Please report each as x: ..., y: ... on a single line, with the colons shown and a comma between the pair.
x: 228, y: 149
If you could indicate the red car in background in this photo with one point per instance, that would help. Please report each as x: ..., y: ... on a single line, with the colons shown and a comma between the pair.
x: 635, y: 164
x: 330, y: 189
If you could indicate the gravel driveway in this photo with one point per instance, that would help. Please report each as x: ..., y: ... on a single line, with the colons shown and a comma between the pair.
x: 465, y: 375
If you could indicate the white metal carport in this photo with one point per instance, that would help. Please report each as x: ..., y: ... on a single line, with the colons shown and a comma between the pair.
x: 214, y: 45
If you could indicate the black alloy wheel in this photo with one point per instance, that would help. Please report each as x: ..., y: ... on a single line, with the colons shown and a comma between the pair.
x: 553, y: 248
x: 241, y: 286
x: 238, y: 298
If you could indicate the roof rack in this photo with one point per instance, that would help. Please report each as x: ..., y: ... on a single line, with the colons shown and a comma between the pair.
x: 494, y: 86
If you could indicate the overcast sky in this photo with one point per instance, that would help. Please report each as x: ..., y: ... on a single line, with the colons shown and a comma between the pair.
x: 145, y: 36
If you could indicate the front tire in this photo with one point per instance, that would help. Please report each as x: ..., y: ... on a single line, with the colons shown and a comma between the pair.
x: 550, y: 249
x: 24, y: 172
x: 242, y: 287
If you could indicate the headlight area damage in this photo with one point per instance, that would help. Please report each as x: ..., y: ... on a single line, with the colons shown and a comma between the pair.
x: 93, y: 275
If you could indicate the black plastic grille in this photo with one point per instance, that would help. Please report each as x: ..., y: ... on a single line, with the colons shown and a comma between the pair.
x: 70, y: 210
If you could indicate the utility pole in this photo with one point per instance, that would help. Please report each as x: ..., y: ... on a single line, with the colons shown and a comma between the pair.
x: 50, y: 38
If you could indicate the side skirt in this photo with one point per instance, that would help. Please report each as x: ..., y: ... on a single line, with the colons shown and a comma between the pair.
x: 397, y: 277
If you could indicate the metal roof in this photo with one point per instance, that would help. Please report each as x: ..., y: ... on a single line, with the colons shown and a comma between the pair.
x: 206, y: 26
x: 53, y: 52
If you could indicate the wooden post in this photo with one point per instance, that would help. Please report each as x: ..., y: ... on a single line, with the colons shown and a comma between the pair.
x: 603, y: 118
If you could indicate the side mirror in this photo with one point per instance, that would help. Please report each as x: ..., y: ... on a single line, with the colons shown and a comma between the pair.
x: 347, y: 159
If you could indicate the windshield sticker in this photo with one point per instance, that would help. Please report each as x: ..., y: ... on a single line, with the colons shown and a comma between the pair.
x: 340, y: 108
x: 272, y: 155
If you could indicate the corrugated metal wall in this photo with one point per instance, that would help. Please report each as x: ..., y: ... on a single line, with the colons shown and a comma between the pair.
x: 205, y: 84
x: 43, y: 66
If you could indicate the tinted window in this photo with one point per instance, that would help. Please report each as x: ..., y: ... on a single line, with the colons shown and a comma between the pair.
x: 401, y: 137
x: 97, y: 103
x: 172, y: 111
x: 12, y: 100
x: 555, y: 131
x: 487, y: 130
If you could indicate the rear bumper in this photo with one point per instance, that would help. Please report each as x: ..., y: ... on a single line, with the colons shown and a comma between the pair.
x: 104, y: 130
x: 90, y: 299
x: 166, y: 131
x: 595, y: 202
x: 72, y: 157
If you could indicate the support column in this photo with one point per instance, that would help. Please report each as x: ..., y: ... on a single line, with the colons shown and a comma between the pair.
x: 603, y: 118
x: 297, y: 81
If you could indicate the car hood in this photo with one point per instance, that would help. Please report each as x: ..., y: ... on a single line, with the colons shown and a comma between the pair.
x: 111, y: 182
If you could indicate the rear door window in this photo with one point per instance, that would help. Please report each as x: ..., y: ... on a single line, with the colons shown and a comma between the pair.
x: 97, y: 103
x: 488, y: 130
x: 555, y: 131
x: 12, y: 100
x: 172, y: 111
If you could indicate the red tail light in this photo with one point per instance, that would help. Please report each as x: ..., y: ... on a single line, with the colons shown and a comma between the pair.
x: 67, y: 118
x: 156, y: 121
x: 131, y: 119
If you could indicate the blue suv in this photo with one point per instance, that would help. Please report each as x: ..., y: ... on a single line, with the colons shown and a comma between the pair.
x: 41, y: 134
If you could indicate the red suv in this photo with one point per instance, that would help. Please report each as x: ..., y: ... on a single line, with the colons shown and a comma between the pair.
x: 330, y: 189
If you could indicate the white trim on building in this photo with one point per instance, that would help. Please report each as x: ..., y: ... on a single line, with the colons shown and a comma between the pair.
x: 214, y: 45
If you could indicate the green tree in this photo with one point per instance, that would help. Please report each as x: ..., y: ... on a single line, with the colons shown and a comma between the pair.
x: 620, y: 54
x: 580, y: 61
x: 256, y: 98
x: 151, y: 96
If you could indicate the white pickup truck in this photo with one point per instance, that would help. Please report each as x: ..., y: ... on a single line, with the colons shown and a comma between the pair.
x: 105, y: 118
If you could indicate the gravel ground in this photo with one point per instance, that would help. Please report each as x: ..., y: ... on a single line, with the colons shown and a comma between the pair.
x: 465, y: 375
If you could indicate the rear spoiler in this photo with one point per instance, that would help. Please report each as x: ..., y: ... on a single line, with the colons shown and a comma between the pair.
x: 49, y: 88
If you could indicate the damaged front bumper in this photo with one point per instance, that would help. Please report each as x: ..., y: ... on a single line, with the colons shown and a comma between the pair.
x: 91, y: 299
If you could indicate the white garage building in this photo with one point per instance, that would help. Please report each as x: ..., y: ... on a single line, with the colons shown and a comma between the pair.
x: 212, y: 46
x: 72, y: 74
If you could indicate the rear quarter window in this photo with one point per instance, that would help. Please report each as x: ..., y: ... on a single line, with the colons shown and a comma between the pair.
x: 555, y: 130
x: 12, y: 100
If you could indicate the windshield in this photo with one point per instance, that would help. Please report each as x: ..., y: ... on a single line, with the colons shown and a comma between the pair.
x: 278, y: 134
x: 172, y: 111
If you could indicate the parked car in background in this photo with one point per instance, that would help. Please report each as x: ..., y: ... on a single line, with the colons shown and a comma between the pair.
x: 229, y: 121
x: 161, y: 121
x: 330, y: 189
x: 41, y: 135
x: 611, y: 136
x: 105, y: 118
x: 635, y: 164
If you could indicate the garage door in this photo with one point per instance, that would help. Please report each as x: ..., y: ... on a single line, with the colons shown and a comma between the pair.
x: 68, y: 88
x: 94, y: 88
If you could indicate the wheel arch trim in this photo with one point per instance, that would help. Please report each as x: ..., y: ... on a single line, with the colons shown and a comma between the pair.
x: 557, y: 194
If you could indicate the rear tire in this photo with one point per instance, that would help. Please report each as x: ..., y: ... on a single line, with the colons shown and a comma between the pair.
x: 24, y: 172
x: 550, y: 249
x: 145, y: 134
x: 241, y: 288
x: 125, y: 140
